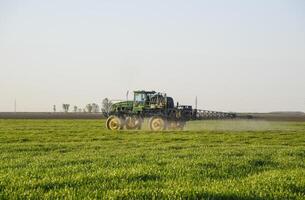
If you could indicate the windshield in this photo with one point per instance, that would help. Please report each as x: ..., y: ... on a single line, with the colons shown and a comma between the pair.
x: 139, y: 97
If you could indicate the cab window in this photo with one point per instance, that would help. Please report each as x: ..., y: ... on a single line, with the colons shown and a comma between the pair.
x: 139, y: 97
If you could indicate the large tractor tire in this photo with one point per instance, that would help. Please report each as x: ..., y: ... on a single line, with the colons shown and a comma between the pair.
x: 172, y: 125
x: 114, y: 123
x: 175, y: 125
x: 132, y: 123
x: 157, y: 124
x: 181, y: 125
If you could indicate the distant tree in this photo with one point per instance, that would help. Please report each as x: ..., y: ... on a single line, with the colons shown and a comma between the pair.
x: 80, y: 110
x: 54, y: 108
x: 75, y: 108
x: 66, y: 107
x: 106, y: 106
x: 95, y: 108
x: 89, y: 107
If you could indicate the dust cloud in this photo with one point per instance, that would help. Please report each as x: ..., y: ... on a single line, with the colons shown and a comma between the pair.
x: 233, y: 125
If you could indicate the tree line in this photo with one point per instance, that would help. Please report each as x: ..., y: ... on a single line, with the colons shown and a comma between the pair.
x: 89, y: 108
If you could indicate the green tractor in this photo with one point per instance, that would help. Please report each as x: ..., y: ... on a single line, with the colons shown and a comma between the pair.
x: 158, y: 107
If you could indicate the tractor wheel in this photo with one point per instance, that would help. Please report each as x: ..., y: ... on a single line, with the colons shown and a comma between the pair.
x: 114, y: 123
x: 157, y: 124
x: 176, y: 125
x: 172, y: 125
x: 180, y: 125
x: 133, y: 123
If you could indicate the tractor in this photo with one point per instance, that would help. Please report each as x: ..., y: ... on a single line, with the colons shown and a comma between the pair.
x: 158, y: 107
x: 161, y: 111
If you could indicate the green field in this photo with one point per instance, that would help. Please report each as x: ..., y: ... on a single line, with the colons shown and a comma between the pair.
x: 77, y: 159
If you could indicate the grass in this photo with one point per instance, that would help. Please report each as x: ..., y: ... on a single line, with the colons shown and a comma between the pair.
x: 79, y: 159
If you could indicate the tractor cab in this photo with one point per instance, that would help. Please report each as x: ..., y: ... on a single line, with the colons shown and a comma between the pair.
x: 142, y: 100
x: 148, y: 100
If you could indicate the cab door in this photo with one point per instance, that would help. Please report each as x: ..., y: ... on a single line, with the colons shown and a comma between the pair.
x: 139, y: 102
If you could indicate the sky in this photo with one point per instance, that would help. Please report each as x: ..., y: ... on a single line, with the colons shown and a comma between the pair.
x: 240, y: 56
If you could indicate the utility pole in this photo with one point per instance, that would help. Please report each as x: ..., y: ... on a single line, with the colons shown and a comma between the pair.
x: 196, y: 103
x: 15, y: 106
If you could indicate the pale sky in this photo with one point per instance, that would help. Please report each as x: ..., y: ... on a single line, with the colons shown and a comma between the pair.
x: 242, y: 56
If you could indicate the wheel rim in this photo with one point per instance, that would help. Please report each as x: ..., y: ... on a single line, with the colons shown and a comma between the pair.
x: 114, y: 124
x: 131, y: 123
x: 157, y: 124
x: 173, y: 125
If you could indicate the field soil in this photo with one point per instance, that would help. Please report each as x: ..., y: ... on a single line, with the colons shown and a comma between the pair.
x: 276, y: 116
x: 80, y: 159
x: 273, y: 116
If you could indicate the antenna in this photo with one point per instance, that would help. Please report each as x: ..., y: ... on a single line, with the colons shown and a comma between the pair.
x: 196, y: 101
